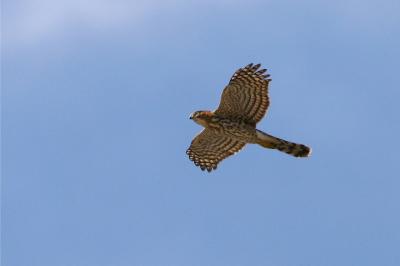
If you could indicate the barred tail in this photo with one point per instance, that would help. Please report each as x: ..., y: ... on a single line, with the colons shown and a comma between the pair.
x: 271, y: 142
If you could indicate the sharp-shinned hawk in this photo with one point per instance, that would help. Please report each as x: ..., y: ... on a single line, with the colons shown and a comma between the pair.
x: 244, y: 102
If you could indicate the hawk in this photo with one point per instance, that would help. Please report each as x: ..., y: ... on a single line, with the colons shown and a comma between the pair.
x: 228, y: 129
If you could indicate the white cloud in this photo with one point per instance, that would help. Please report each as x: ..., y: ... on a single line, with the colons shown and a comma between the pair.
x: 29, y: 21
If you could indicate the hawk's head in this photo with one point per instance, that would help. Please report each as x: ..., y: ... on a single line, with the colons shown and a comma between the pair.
x: 202, y: 117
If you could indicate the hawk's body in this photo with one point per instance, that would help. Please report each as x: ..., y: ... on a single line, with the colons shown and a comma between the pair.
x: 243, y: 104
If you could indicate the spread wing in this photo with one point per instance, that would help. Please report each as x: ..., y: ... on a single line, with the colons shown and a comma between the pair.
x: 208, y: 149
x: 246, y: 95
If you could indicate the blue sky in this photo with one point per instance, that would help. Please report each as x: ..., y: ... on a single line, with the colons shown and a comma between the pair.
x: 95, y: 103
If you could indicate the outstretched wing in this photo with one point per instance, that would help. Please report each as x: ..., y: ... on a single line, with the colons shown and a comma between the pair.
x: 246, y: 95
x: 208, y: 149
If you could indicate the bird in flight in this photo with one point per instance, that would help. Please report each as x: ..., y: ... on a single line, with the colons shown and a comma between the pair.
x: 232, y: 125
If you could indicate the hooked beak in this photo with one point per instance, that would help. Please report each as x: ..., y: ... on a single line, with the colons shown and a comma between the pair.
x: 191, y: 116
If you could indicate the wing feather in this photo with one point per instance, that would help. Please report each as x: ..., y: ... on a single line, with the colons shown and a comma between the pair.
x: 246, y: 95
x: 208, y: 149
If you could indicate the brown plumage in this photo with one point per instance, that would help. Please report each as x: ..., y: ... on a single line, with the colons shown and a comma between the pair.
x: 244, y: 103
